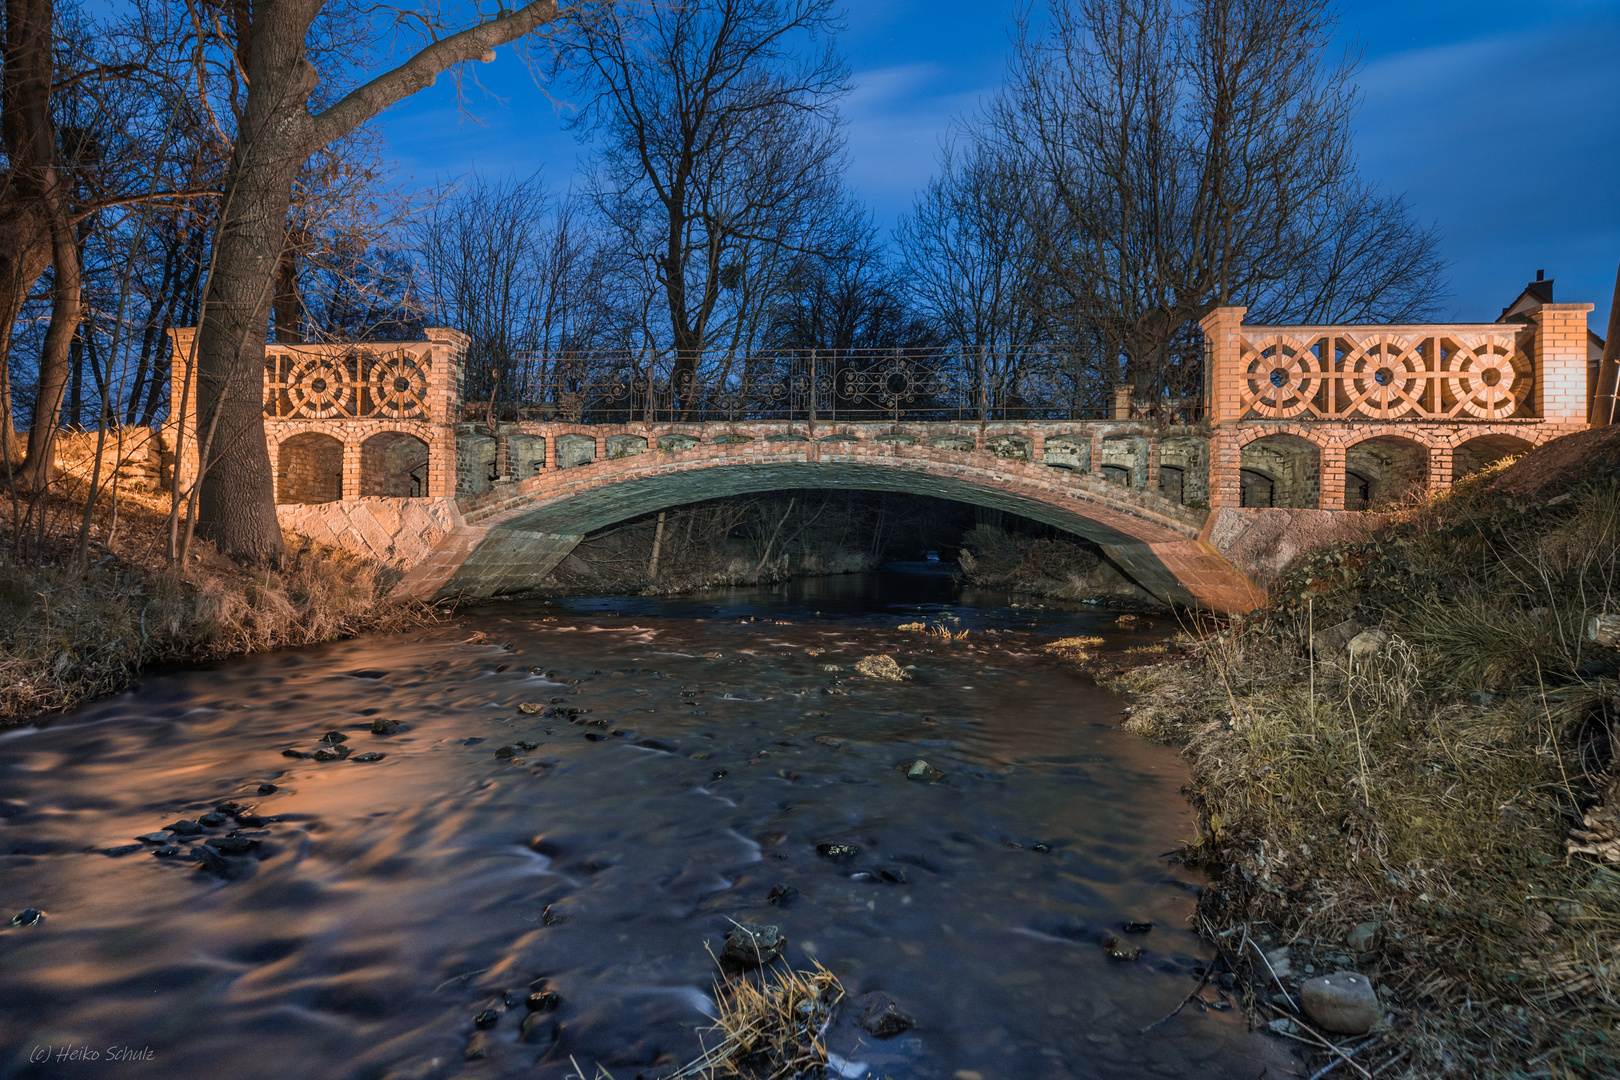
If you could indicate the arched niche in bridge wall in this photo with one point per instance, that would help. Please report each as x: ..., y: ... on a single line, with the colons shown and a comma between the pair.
x: 1184, y: 470
x: 1125, y: 460
x: 394, y: 464
x: 1281, y: 471
x: 1384, y: 470
x: 575, y: 449
x: 1011, y: 447
x: 669, y: 444
x: 1476, y: 454
x: 309, y: 469
x: 1072, y: 452
x: 525, y: 455
x: 476, y: 468
x: 624, y: 446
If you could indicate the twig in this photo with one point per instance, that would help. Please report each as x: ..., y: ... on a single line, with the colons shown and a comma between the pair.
x: 1330, y: 1066
x: 1286, y: 995
x: 1404, y: 1051
x: 1190, y: 995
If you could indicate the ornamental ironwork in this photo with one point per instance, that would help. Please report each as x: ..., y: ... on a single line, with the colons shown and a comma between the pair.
x: 813, y: 386
x: 358, y: 382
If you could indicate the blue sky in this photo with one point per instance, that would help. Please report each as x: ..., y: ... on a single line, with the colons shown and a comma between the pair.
x: 1499, y: 121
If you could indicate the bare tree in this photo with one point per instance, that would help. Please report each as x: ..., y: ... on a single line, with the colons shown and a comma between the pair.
x: 719, y: 149
x: 1192, y: 153
x: 280, y: 123
x: 514, y: 268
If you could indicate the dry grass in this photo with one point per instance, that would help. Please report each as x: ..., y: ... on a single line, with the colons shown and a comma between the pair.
x: 69, y: 634
x: 770, y: 1026
x: 1430, y: 790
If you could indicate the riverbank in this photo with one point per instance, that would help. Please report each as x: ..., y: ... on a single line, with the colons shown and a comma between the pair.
x: 70, y: 631
x: 1404, y: 766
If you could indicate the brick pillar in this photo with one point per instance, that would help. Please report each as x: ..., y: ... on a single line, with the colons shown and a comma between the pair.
x: 1224, y: 462
x: 1037, y: 445
x: 1151, y: 483
x: 351, y: 468
x: 447, y: 351
x: 181, y: 429
x: 1122, y: 401
x: 1095, y: 468
x: 1560, y: 363
x: 551, y: 449
x: 275, y: 467
x: 1223, y: 355
x: 1330, y: 488
x: 1440, y: 465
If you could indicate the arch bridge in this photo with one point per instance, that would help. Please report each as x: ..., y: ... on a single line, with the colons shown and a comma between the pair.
x: 375, y: 449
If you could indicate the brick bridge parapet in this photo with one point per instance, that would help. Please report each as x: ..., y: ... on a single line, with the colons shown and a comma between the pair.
x: 1308, y: 419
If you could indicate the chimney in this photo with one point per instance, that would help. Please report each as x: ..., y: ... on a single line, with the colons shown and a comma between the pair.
x: 1541, y: 275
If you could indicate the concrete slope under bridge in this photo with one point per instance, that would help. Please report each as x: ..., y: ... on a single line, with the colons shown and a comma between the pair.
x: 511, y: 538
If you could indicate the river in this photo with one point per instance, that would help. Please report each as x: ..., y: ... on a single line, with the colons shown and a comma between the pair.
x: 384, y: 903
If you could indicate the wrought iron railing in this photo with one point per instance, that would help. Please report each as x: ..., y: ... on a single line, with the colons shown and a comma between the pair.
x: 813, y: 386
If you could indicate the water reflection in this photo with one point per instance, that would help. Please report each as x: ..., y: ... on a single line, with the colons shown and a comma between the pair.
x: 685, y: 757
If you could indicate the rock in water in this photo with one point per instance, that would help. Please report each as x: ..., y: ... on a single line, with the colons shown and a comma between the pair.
x: 369, y: 755
x: 751, y: 945
x: 837, y: 851
x: 184, y: 827
x: 1119, y: 948
x: 881, y: 1016
x: 232, y: 845
x: 333, y: 752
x: 543, y: 1001
x: 382, y: 726
x: 334, y: 737
x: 1343, y: 1002
x: 881, y: 667
x: 486, y: 1019
x: 781, y: 894
x: 921, y: 770
x: 33, y: 917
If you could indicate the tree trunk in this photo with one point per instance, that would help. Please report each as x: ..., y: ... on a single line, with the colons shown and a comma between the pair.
x: 235, y: 498
x: 32, y: 145
x: 25, y: 252
x: 236, y: 506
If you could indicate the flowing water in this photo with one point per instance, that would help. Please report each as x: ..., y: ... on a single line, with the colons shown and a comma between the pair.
x: 389, y: 901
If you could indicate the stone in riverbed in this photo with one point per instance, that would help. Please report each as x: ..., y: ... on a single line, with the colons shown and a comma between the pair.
x: 184, y: 827
x: 334, y: 737
x: 154, y: 838
x: 882, y: 666
x: 290, y: 752
x: 881, y: 1016
x: 369, y: 755
x: 1343, y: 1002
x: 232, y: 845
x: 212, y: 820
x: 543, y: 1001
x: 921, y: 770
x: 384, y: 726
x: 751, y: 945
x: 781, y: 894
x: 1119, y: 948
x: 486, y: 1019
x: 268, y: 789
x: 122, y: 850
x: 331, y: 752
x: 837, y: 851
x: 28, y: 917
x: 506, y: 751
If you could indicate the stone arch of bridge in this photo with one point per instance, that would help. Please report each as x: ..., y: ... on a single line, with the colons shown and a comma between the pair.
x: 514, y: 537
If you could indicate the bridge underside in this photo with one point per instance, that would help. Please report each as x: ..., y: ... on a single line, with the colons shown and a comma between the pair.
x: 514, y: 539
